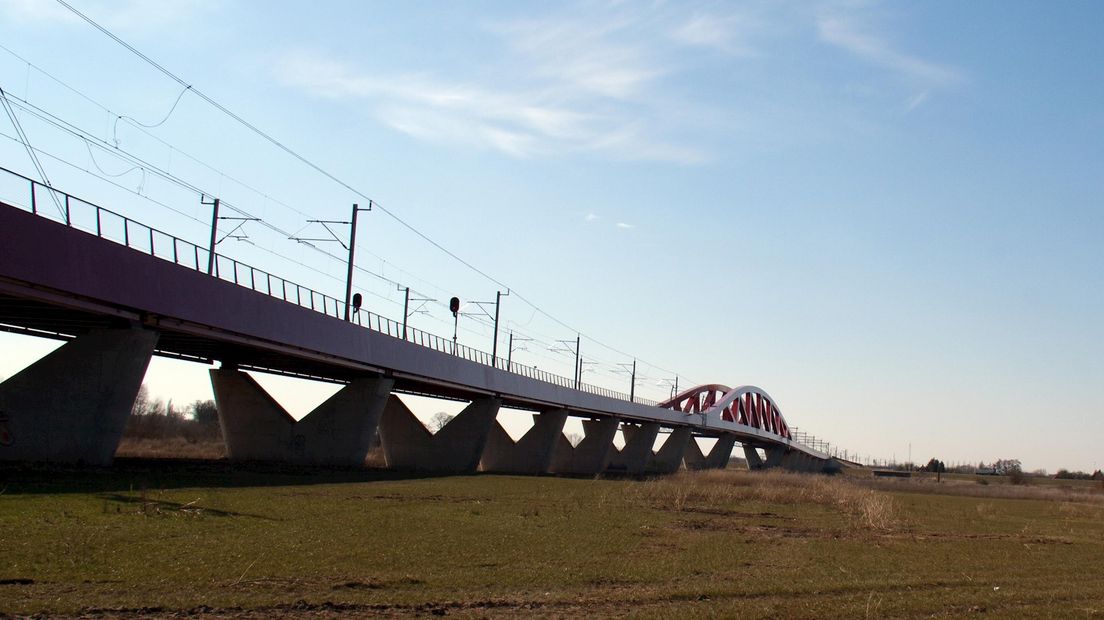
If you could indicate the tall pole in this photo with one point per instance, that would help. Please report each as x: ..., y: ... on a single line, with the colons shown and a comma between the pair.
x: 578, y: 338
x: 455, y: 329
x: 214, y: 237
x: 352, y: 252
x: 406, y: 310
x: 510, y: 351
x: 494, y: 347
x: 632, y: 387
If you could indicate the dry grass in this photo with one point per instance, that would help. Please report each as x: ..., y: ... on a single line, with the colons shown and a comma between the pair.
x: 1056, y: 493
x: 689, y: 490
x: 171, y: 448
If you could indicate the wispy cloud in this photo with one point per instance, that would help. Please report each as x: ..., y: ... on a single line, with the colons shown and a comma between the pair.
x: 583, y: 56
x: 916, y: 101
x: 726, y: 33
x: 520, y: 123
x: 625, y: 226
x: 621, y: 81
x: 590, y: 217
x: 847, y: 32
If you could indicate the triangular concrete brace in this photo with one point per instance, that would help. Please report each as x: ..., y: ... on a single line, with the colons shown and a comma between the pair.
x: 668, y: 459
x: 72, y: 405
x: 633, y: 458
x: 754, y: 461
x: 457, y: 448
x: 337, y: 432
x: 717, y: 457
x: 592, y: 454
x: 532, y: 454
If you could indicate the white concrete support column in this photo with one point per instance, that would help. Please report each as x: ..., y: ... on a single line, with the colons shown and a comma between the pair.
x: 592, y: 454
x: 717, y: 457
x: 668, y: 459
x: 72, y: 405
x: 338, y: 432
x: 633, y: 458
x: 754, y: 461
x: 532, y: 454
x: 456, y: 448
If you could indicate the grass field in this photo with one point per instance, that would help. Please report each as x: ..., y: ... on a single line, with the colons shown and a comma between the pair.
x: 158, y: 538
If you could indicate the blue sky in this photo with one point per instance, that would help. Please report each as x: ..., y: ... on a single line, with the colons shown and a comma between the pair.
x: 888, y: 215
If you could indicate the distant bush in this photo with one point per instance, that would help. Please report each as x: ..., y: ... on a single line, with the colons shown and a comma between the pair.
x: 1065, y: 474
x: 153, y: 418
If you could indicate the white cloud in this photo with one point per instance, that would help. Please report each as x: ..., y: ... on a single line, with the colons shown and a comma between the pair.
x: 520, y: 123
x: 583, y: 55
x: 590, y: 217
x: 625, y: 226
x: 726, y: 33
x: 916, y: 101
x: 845, y: 32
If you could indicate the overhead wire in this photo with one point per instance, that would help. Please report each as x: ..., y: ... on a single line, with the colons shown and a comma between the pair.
x: 88, y: 138
x: 137, y: 163
x: 27, y: 145
x: 317, y: 168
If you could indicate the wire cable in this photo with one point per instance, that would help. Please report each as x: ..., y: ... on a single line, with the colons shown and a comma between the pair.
x: 307, y: 162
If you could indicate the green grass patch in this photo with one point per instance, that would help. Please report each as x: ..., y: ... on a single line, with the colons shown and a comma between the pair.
x: 144, y: 538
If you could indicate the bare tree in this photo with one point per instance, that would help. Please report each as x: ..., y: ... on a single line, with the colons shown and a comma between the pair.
x: 439, y: 420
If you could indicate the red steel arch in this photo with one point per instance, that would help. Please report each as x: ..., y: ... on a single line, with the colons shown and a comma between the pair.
x: 747, y: 405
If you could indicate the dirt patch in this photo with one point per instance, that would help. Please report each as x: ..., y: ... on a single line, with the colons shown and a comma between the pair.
x: 757, y: 530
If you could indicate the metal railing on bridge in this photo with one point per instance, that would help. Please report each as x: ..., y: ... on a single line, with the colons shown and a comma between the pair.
x: 107, y: 224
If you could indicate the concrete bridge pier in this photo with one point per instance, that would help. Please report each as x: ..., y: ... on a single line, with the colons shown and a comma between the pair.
x: 532, y: 454
x: 634, y: 457
x: 717, y: 457
x: 456, y: 448
x: 592, y: 455
x: 668, y: 459
x: 338, y: 432
x: 754, y: 461
x: 72, y: 405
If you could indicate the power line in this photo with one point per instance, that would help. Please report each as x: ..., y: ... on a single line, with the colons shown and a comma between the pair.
x: 27, y: 145
x: 302, y: 159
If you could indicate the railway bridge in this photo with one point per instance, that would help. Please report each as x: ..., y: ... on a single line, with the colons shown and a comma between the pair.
x: 118, y: 292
